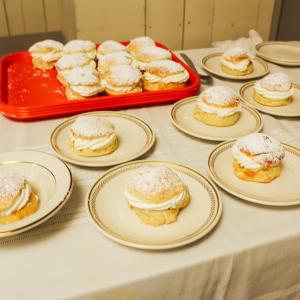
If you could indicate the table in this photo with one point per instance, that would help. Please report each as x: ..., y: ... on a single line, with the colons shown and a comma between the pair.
x: 254, y: 252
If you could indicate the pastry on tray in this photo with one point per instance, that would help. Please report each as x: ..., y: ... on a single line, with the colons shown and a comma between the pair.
x: 138, y: 43
x: 146, y: 55
x: 17, y: 200
x: 236, y: 61
x: 92, y: 136
x: 70, y: 62
x: 45, y: 53
x: 80, y: 46
x: 156, y: 194
x: 274, y: 89
x: 257, y: 157
x: 218, y: 106
x: 122, y: 79
x: 108, y: 47
x: 164, y: 75
x: 115, y: 58
x: 82, y: 83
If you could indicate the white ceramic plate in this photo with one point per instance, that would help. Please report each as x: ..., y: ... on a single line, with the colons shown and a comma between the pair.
x: 281, y: 53
x: 50, y: 179
x: 110, y: 212
x: 282, y: 191
x: 135, y: 139
x: 212, y: 64
x: 182, y: 118
x: 290, y: 110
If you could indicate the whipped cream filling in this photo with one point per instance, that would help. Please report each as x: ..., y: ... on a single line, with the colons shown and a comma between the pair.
x: 50, y: 56
x: 179, y: 77
x: 273, y: 94
x: 223, y: 112
x: 121, y: 89
x: 244, y: 160
x: 86, y: 90
x: 19, y: 202
x: 240, y: 66
x: 89, y: 54
x: 92, y: 144
x: 171, y: 203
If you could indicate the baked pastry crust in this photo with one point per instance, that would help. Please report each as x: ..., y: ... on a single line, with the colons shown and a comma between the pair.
x: 230, y: 71
x: 136, y: 89
x: 157, y: 86
x: 39, y: 63
x: 271, y: 102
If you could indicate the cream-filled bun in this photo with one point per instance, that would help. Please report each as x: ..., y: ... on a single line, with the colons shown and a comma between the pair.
x: 115, y: 58
x: 17, y: 200
x: 45, y: 53
x: 274, y: 89
x: 82, y: 83
x: 146, y: 55
x: 138, y: 43
x: 69, y: 62
x: 218, y: 106
x: 80, y: 46
x: 93, y: 136
x: 156, y: 194
x: 110, y: 46
x: 257, y: 157
x: 122, y: 79
x: 164, y: 74
x: 236, y: 61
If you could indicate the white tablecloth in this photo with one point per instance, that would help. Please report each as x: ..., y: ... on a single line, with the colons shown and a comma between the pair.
x: 254, y: 252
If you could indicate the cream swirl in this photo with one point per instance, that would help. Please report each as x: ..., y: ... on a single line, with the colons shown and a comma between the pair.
x: 170, y: 203
x: 276, y: 95
x: 176, y: 78
x: 117, y: 88
x: 240, y: 66
x: 220, y: 111
x: 244, y: 160
x: 19, y: 202
x: 92, y: 144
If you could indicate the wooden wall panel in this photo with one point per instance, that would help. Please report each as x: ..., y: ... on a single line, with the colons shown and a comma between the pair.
x: 114, y: 19
x: 234, y: 18
x: 34, y: 16
x: 53, y: 14
x: 3, y: 25
x: 164, y: 22
x: 15, y: 17
x: 198, y: 23
x: 264, y: 19
x: 68, y: 20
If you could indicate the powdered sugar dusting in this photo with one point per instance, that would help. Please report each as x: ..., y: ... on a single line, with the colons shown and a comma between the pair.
x: 154, y: 180
x: 10, y: 185
x: 142, y: 41
x: 276, y: 82
x: 72, y: 61
x: 169, y: 66
x: 46, y: 44
x: 262, y: 147
x: 123, y: 75
x: 220, y: 95
x: 116, y: 58
x: 79, y: 45
x: 92, y: 126
x: 152, y: 53
x: 82, y: 76
x: 110, y: 46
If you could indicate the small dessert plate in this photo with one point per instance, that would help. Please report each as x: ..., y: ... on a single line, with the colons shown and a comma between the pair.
x: 282, y: 191
x: 281, y: 53
x: 290, y: 110
x: 135, y: 139
x: 110, y: 212
x: 50, y: 179
x: 182, y: 118
x: 212, y: 64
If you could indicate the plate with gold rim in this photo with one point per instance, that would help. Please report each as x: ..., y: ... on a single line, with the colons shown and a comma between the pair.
x: 112, y: 216
x: 183, y: 119
x: 49, y: 178
x: 212, y: 64
x: 290, y: 110
x: 135, y: 138
x: 282, y: 191
x: 280, y: 52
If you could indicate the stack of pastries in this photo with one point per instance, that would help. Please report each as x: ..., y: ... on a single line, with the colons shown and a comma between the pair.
x: 86, y: 70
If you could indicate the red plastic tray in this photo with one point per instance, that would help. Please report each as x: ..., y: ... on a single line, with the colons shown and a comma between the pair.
x: 30, y: 94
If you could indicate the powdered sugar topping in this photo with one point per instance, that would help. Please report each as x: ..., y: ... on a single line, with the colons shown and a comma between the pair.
x: 110, y: 46
x: 152, y: 53
x: 79, y: 45
x: 116, y: 58
x: 82, y: 76
x: 235, y: 52
x: 123, y: 75
x: 276, y: 82
x: 166, y: 66
x: 220, y: 95
x: 46, y: 44
x: 142, y: 41
x: 154, y: 180
x: 72, y: 61
x: 10, y: 185
x: 92, y: 126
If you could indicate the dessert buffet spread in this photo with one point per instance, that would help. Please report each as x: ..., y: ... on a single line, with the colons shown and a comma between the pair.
x: 62, y: 79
